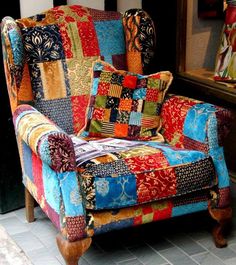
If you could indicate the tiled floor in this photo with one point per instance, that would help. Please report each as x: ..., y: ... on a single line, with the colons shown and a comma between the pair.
x: 180, y: 241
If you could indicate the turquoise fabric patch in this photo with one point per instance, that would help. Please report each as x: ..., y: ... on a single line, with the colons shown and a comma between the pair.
x: 44, y: 152
x: 189, y: 208
x: 51, y: 187
x: 94, y: 87
x: 220, y: 166
x: 195, y: 125
x: 115, y: 191
x: 71, y: 194
x: 17, y: 46
x: 140, y: 93
x: 177, y: 156
x: 110, y: 36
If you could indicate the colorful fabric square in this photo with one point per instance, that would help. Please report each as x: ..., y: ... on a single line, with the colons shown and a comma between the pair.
x: 116, y: 95
x: 143, y: 174
x: 140, y: 39
x: 60, y: 46
x: 199, y: 126
x: 225, y: 58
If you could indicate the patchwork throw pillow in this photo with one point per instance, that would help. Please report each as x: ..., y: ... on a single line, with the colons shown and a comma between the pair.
x: 125, y: 105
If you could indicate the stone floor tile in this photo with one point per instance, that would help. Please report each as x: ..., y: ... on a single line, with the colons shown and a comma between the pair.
x: 42, y: 257
x: 147, y: 255
x: 207, y: 259
x: 177, y: 257
x: 186, y: 243
x: 13, y: 225
x: 27, y: 241
x: 230, y: 261
x: 222, y: 253
x: 130, y: 262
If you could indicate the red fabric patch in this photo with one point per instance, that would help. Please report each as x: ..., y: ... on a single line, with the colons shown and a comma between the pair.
x: 98, y: 114
x: 53, y: 216
x: 37, y: 175
x: 195, y: 145
x: 103, y: 88
x: 156, y: 185
x: 65, y: 40
x: 88, y: 38
x: 152, y: 95
x: 163, y: 213
x: 79, y: 106
x: 130, y: 81
x: 224, y: 197
x: 75, y: 227
x: 138, y: 220
x: 146, y: 163
x: 173, y: 115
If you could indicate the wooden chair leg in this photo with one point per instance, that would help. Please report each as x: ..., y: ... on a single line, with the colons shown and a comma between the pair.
x: 223, y: 218
x: 29, y: 206
x: 72, y: 251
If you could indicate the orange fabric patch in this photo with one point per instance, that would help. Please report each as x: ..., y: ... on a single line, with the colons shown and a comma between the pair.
x: 134, y: 62
x: 121, y: 130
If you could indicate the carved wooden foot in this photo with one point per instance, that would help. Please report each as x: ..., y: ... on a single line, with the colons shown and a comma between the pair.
x: 72, y: 251
x: 223, y: 218
x: 29, y: 206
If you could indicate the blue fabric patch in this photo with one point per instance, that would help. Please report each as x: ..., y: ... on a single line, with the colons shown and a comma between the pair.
x: 115, y: 191
x: 177, y: 157
x: 44, y: 152
x: 17, y: 46
x: 220, y: 166
x: 71, y: 195
x: 27, y: 160
x: 110, y: 36
x: 94, y: 87
x: 189, y: 208
x: 114, y: 226
x: 195, y: 125
x: 108, y: 59
x: 51, y: 187
x: 135, y: 118
x: 140, y: 93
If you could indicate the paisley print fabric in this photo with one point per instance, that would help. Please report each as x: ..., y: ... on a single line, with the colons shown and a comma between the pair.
x: 140, y: 39
x: 139, y: 177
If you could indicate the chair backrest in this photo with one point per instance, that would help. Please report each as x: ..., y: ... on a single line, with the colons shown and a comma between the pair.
x: 48, y: 58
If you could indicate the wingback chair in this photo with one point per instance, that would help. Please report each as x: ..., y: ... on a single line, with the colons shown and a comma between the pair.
x: 48, y: 61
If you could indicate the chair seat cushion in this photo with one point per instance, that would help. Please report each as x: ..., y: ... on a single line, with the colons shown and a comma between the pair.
x: 148, y: 172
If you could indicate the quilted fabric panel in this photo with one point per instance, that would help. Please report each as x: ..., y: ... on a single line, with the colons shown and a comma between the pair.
x: 61, y: 45
x: 149, y: 212
x: 143, y: 174
x: 125, y: 105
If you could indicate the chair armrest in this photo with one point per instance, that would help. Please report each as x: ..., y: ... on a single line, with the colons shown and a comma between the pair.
x: 51, y: 144
x: 55, y: 148
x: 193, y: 124
x: 196, y: 125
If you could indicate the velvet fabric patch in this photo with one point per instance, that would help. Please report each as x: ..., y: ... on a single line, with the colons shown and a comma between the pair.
x: 124, y: 104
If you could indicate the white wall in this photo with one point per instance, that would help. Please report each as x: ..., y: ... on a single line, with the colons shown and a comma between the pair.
x: 32, y: 7
x: 123, y: 5
x: 97, y: 4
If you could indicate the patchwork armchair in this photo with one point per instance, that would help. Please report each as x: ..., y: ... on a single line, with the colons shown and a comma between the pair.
x: 48, y: 61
